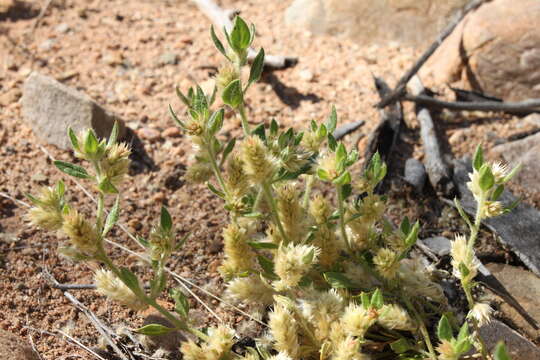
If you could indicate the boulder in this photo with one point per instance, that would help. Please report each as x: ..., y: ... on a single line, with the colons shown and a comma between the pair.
x: 527, y: 152
x: 50, y: 107
x: 519, y: 348
x: 524, y: 286
x: 495, y: 50
x: 13, y: 347
x: 374, y: 21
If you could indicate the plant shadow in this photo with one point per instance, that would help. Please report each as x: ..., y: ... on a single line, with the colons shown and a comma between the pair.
x: 288, y: 95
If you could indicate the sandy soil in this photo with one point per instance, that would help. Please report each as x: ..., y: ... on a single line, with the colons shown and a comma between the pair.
x: 114, y: 50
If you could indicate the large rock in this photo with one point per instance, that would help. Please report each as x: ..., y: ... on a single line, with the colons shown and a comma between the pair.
x: 527, y: 152
x: 374, y: 21
x: 519, y: 348
x: 13, y: 347
x: 50, y: 108
x: 495, y: 50
x: 525, y: 288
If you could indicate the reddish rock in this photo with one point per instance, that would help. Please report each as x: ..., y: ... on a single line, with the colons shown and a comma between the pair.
x: 496, y: 51
x: 172, y: 132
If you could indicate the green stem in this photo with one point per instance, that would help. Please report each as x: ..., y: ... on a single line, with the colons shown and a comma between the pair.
x: 267, y: 191
x: 216, y: 170
x: 309, y: 185
x: 423, y: 329
x: 100, y: 211
x: 341, y: 209
x: 243, y: 117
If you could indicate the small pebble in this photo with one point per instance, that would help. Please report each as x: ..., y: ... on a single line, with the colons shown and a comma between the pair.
x: 306, y: 75
x: 62, y: 28
x: 150, y: 134
x: 172, y: 132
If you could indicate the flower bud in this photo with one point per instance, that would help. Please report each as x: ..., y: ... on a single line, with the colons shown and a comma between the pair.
x: 259, y: 165
x: 81, y: 234
x: 111, y: 286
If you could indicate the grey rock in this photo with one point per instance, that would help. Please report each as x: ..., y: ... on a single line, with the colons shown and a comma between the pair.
x: 50, y: 107
x: 527, y: 152
x: 518, y: 229
x: 168, y: 58
x: 438, y: 244
x: 524, y: 288
x: 519, y: 348
x: 13, y: 347
x: 374, y: 21
x: 415, y: 173
x: 62, y: 28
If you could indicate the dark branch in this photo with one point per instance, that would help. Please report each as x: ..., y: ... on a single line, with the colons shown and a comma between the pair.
x: 399, y: 90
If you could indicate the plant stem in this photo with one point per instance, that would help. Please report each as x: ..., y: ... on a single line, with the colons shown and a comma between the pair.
x: 216, y: 170
x: 100, y: 211
x: 423, y: 328
x: 309, y: 185
x: 243, y: 117
x: 267, y: 191
x: 341, y: 209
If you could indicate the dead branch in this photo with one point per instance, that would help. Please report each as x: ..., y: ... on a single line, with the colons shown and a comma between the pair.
x: 383, y: 138
x: 40, y: 16
x: 222, y: 19
x: 439, y: 173
x: 346, y: 129
x: 525, y: 106
x: 100, y: 327
x: 399, y: 90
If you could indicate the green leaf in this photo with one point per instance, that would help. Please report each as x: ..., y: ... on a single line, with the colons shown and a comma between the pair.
x: 343, y: 179
x: 181, y: 302
x: 498, y: 192
x: 332, y: 143
x: 260, y: 245
x: 322, y: 132
x: 256, y: 68
x: 366, y: 301
x: 228, y: 149
x: 143, y: 241
x: 444, y: 329
x: 268, y: 267
x: 130, y: 280
x: 405, y: 226
x: 218, y: 43
x: 232, y: 94
x: 213, y: 189
x: 274, y: 127
x: 73, y: 139
x: 112, y: 218
x: 500, y: 352
x: 341, y: 153
x: 240, y: 35
x: 413, y: 235
x: 260, y: 131
x: 346, y: 190
x: 113, y: 136
x: 332, y: 120
x: 91, y: 143
x: 60, y: 188
x: 216, y: 121
x: 463, y: 269
x: 463, y: 332
x: 107, y: 187
x: 377, y: 300
x: 512, y: 173
x: 308, y: 258
x: 478, y: 159
x: 487, y: 180
x: 175, y: 118
x: 154, y: 329
x: 462, y: 212
x: 400, y: 346
x: 183, y: 98
x: 165, y: 219
x: 323, y: 175
x: 338, y: 280
x: 34, y: 199
x: 71, y: 169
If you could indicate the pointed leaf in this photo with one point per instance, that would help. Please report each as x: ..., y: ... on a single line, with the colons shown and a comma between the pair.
x: 256, y: 68
x: 338, y: 280
x: 165, y: 219
x: 73, y: 139
x: 217, y: 42
x: 332, y: 120
x: 154, y: 329
x: 71, y: 169
x: 112, y: 218
x: 113, y: 137
x: 478, y: 159
x: 232, y: 94
x: 444, y: 329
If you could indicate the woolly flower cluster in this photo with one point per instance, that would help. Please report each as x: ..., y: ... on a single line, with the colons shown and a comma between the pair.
x: 218, y: 346
x: 111, y: 286
x: 464, y: 261
x: 259, y: 165
x: 292, y: 262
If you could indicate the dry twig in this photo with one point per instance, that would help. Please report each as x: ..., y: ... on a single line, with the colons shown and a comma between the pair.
x: 222, y: 19
x: 399, y: 90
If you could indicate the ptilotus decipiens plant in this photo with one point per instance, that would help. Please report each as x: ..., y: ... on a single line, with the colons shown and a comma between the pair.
x: 335, y: 274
